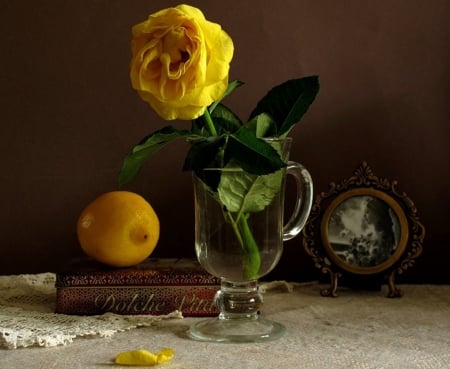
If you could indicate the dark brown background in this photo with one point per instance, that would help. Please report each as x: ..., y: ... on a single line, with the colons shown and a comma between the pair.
x: 68, y: 113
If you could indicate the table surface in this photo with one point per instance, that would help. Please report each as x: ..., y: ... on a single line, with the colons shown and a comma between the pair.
x: 357, y: 329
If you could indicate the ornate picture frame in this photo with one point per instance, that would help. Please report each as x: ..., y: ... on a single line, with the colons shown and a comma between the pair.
x: 365, y: 230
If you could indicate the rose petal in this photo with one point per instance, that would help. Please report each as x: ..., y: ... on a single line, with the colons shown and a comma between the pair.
x: 164, y: 355
x: 143, y: 357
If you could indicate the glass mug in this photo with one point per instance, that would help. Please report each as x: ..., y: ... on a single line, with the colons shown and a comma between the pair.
x: 241, y: 247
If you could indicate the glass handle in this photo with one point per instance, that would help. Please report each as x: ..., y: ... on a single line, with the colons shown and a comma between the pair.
x: 304, y: 200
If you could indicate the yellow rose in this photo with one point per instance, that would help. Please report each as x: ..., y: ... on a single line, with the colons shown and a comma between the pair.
x: 180, y: 62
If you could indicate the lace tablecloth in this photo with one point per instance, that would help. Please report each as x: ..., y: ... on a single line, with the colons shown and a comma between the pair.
x: 27, y: 305
x: 357, y: 330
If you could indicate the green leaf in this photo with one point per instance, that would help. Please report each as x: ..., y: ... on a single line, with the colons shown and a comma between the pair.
x: 198, y: 124
x: 288, y: 102
x: 203, y: 153
x: 242, y: 192
x: 134, y: 160
x: 263, y: 125
x: 225, y: 120
x: 252, y: 154
x: 198, y: 127
x: 230, y: 88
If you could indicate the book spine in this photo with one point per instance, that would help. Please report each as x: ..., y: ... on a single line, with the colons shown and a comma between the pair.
x: 191, y: 301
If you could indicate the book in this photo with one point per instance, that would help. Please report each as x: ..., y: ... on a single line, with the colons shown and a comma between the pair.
x: 155, y: 287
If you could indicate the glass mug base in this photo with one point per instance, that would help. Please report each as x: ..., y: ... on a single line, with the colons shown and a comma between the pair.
x: 239, y: 330
x: 239, y: 319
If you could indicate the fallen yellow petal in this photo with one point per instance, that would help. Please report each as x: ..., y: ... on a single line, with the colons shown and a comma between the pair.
x: 164, y: 355
x: 143, y: 357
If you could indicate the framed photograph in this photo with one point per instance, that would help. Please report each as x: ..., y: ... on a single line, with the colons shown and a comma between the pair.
x: 363, y: 230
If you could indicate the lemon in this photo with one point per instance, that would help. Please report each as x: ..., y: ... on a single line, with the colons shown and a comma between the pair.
x: 118, y: 228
